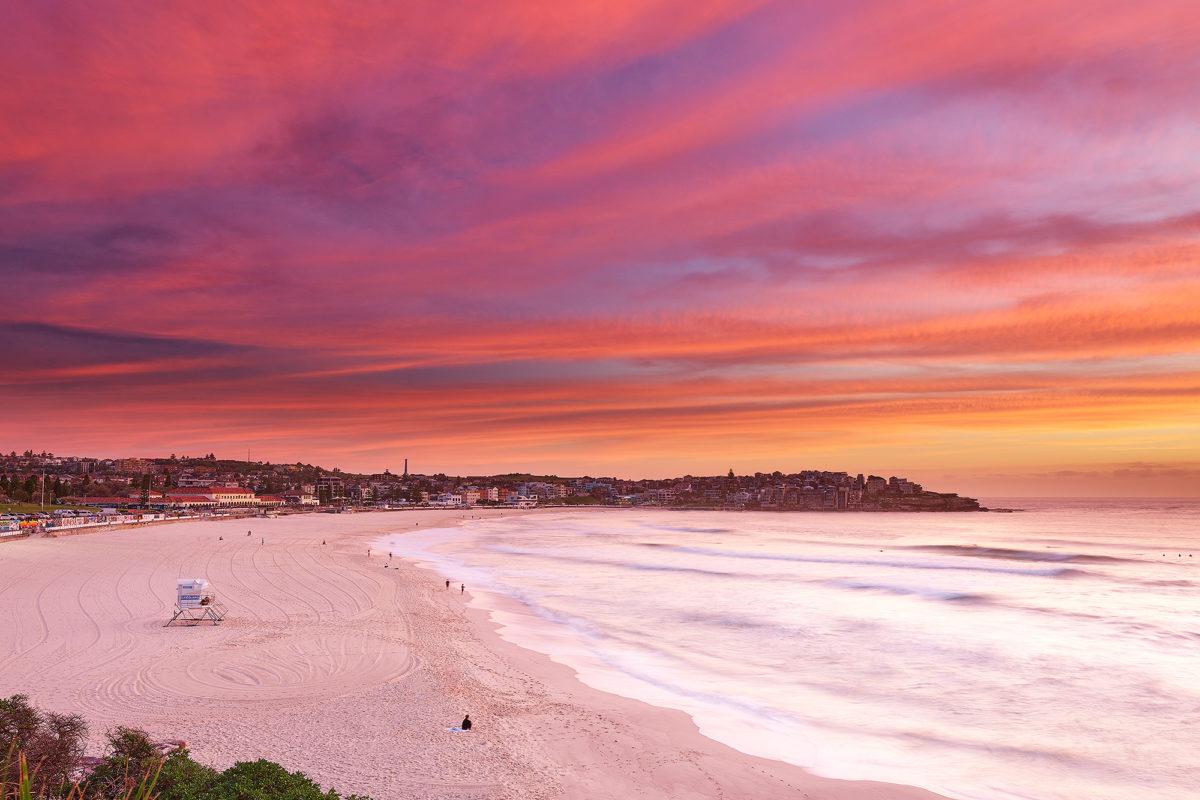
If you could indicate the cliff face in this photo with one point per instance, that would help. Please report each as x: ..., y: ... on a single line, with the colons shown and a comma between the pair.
x: 927, y: 501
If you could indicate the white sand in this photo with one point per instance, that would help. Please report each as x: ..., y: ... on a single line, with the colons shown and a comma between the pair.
x: 331, y: 664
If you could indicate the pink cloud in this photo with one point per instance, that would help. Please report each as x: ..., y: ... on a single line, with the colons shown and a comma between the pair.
x: 585, y: 227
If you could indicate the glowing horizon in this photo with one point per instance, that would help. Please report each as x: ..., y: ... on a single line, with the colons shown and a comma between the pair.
x: 957, y: 243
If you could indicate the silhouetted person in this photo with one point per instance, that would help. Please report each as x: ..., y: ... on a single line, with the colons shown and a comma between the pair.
x: 462, y: 588
x: 447, y: 583
x: 466, y: 723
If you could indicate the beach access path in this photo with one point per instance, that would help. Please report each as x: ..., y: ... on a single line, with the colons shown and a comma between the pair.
x: 333, y: 664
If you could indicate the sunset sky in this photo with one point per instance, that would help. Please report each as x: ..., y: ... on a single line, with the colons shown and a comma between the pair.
x: 956, y: 241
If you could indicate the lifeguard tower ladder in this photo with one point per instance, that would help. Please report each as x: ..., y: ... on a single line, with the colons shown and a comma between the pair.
x: 195, y: 602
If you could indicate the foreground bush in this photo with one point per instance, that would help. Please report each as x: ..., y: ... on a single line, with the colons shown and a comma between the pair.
x: 52, y: 744
x: 181, y: 778
x: 45, y: 752
x: 248, y: 780
x: 130, y: 760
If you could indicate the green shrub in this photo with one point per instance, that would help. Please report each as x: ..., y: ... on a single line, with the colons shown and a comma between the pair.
x: 182, y: 778
x: 259, y: 780
x: 129, y: 759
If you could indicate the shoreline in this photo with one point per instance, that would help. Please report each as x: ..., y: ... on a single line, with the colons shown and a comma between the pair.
x: 351, y: 671
x: 619, y: 746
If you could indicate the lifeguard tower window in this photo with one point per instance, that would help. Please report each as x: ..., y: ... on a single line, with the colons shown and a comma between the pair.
x: 195, y: 602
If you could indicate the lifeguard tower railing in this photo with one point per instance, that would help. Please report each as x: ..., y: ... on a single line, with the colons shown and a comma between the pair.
x: 195, y: 602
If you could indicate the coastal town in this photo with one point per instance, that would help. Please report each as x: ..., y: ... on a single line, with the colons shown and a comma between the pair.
x: 67, y: 486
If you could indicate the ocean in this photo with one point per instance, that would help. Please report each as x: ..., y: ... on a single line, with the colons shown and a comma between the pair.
x: 1052, y: 653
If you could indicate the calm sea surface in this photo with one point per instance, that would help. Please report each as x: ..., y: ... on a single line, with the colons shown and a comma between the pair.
x: 1052, y: 653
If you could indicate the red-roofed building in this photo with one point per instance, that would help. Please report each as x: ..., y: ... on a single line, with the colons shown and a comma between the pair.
x: 210, y: 496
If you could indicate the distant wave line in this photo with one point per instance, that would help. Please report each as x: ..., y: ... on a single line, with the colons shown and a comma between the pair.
x: 875, y: 562
x: 1009, y: 554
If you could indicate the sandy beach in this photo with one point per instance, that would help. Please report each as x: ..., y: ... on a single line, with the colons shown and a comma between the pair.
x: 333, y: 664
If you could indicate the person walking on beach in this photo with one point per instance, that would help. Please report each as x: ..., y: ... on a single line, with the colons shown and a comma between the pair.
x: 447, y: 583
x: 462, y: 589
x: 466, y: 723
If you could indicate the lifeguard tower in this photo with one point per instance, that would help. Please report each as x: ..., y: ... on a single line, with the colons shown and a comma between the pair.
x: 195, y: 602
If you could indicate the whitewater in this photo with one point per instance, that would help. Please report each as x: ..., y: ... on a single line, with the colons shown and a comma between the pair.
x: 1048, y: 654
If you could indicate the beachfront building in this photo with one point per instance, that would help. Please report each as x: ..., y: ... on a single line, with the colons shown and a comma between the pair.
x: 190, y: 501
x: 299, y: 497
x: 212, y: 497
x: 331, y: 489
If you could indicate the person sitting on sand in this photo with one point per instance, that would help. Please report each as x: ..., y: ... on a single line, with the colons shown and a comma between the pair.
x: 466, y: 723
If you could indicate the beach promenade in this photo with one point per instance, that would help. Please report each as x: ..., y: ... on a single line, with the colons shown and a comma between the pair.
x: 332, y: 664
